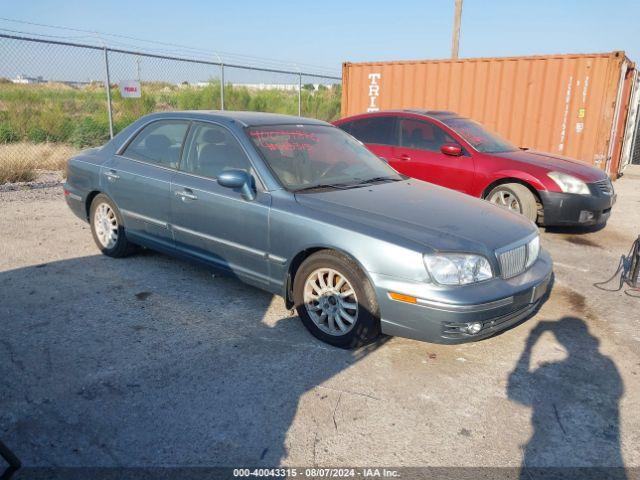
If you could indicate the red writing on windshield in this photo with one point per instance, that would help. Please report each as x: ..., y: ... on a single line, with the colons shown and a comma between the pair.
x: 284, y: 140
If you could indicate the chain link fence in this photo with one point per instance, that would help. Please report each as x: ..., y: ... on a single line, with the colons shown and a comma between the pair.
x: 54, y: 98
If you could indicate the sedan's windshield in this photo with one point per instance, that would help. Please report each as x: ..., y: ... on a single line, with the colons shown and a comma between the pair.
x: 479, y: 138
x: 307, y: 157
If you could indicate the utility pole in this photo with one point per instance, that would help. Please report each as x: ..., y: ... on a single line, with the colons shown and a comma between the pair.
x: 455, y: 40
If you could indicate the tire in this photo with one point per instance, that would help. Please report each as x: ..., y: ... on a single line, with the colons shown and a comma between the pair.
x: 365, y: 327
x: 525, y: 202
x: 103, y: 212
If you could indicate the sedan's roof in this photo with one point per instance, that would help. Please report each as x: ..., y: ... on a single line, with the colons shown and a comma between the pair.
x: 435, y: 114
x: 247, y: 119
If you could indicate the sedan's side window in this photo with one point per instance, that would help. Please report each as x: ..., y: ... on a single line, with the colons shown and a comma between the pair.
x: 374, y: 130
x: 159, y: 143
x: 422, y: 135
x: 210, y: 150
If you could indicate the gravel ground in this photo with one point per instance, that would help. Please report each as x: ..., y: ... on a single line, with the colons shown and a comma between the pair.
x: 151, y: 361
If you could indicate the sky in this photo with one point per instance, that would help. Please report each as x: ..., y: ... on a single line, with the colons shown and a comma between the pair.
x: 328, y: 32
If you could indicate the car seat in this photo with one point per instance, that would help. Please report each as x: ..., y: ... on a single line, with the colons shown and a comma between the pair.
x: 159, y: 148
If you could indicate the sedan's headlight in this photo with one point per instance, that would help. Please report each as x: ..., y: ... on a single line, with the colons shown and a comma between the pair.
x: 457, y: 268
x: 533, y: 250
x: 569, y: 184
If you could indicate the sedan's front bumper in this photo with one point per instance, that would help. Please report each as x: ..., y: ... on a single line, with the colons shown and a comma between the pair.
x: 573, y: 209
x: 441, y: 314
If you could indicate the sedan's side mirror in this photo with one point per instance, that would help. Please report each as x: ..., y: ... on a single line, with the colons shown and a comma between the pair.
x: 452, y: 149
x: 238, y: 179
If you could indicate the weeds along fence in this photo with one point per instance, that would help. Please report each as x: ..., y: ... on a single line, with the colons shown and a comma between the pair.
x: 57, y: 97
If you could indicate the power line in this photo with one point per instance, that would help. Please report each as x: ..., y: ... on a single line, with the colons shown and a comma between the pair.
x: 268, y: 61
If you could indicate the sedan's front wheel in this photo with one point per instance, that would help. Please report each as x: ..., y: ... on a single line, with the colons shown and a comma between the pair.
x: 336, y: 301
x: 515, y: 197
x: 107, y: 229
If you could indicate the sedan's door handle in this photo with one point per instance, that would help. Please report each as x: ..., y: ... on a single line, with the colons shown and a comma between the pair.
x: 186, y: 194
x: 404, y: 156
x: 111, y: 175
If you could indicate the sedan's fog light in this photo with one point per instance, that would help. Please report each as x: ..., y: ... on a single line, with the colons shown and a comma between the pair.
x: 473, y: 328
x: 586, y: 216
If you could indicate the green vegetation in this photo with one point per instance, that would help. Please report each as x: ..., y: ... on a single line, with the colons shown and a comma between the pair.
x: 60, y: 114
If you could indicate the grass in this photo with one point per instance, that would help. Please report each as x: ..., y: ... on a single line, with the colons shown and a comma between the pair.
x: 45, y: 124
x: 59, y: 113
x: 19, y: 162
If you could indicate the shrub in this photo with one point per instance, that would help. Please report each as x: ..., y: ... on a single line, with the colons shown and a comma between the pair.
x: 36, y: 134
x: 90, y: 132
x: 8, y: 134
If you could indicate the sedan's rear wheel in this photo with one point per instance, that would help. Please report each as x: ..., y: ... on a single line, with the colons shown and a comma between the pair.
x: 336, y: 301
x: 516, y: 198
x: 107, y: 229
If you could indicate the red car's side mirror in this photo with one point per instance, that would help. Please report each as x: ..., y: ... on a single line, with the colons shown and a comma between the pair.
x: 452, y: 149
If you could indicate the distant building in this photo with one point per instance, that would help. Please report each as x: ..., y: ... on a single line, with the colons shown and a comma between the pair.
x: 23, y: 79
x: 288, y: 87
x: 280, y: 86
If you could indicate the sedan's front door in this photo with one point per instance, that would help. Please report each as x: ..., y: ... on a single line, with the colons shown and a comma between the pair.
x: 419, y: 156
x: 138, y: 180
x: 215, y: 223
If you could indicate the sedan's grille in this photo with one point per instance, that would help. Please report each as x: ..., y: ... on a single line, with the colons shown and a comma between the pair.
x: 512, y: 261
x: 604, y: 186
x: 518, y: 259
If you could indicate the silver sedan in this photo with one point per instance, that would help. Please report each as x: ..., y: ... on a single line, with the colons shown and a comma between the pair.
x: 299, y: 208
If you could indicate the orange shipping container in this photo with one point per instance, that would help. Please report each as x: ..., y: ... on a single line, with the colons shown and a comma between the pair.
x: 571, y: 105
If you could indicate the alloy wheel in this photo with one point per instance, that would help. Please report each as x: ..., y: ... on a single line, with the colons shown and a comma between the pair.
x: 506, y: 199
x: 330, y: 301
x: 105, y: 224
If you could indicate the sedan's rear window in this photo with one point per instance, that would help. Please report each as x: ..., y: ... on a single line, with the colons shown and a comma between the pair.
x: 304, y: 156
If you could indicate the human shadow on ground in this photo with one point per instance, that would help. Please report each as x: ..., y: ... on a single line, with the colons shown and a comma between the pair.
x: 575, y: 406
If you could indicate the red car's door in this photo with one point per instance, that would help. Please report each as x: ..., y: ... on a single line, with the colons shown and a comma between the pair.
x: 419, y: 156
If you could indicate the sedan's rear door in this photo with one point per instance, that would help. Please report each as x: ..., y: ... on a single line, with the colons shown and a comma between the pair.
x: 138, y: 179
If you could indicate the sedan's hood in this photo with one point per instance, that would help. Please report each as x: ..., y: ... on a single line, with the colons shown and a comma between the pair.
x: 557, y: 163
x: 427, y: 214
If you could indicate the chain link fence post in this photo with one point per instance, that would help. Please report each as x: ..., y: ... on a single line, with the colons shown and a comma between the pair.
x: 300, y: 94
x: 221, y: 86
x: 107, y: 86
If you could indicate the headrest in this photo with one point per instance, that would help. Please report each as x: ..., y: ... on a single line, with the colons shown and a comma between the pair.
x: 157, y: 142
x: 213, y: 135
x: 209, y: 151
x: 417, y: 134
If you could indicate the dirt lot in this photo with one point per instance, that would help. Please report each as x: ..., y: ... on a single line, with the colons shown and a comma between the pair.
x: 151, y: 361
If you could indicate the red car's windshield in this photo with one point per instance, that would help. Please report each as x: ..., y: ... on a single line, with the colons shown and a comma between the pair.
x: 478, y: 137
x: 306, y: 156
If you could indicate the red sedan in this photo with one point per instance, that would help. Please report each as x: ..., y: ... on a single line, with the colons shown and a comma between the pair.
x: 456, y: 152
